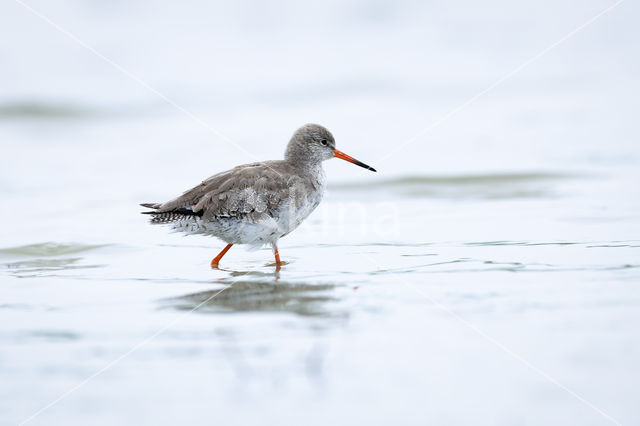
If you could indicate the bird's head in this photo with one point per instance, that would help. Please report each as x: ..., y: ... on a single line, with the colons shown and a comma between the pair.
x: 314, y: 143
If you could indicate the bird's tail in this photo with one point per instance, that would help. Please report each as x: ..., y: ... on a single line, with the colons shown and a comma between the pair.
x: 169, y: 216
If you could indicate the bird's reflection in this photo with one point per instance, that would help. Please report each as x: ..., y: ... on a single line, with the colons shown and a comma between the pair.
x: 262, y: 295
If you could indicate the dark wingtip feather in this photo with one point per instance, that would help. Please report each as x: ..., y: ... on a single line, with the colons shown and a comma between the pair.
x: 154, y: 206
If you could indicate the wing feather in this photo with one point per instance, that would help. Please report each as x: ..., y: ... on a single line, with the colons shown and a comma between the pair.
x: 251, y: 189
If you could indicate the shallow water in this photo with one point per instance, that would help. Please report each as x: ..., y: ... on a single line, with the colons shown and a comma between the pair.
x: 487, y: 274
x: 361, y: 324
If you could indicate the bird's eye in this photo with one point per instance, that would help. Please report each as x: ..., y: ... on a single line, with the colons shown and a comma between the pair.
x: 324, y: 142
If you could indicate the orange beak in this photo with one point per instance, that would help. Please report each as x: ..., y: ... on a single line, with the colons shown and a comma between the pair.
x: 345, y: 157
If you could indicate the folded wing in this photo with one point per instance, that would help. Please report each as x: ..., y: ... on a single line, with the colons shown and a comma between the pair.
x: 248, y: 190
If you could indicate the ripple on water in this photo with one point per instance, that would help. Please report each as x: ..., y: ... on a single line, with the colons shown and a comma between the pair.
x: 41, y: 335
x: 48, y: 249
x: 480, y: 186
x: 520, y: 243
x: 36, y: 259
x: 40, y: 110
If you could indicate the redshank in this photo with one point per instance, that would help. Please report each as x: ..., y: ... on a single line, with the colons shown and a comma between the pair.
x: 257, y: 203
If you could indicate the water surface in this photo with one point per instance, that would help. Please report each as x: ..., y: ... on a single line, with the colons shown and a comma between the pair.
x: 487, y: 274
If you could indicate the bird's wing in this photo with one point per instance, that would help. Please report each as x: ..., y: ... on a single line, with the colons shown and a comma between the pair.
x: 250, y: 189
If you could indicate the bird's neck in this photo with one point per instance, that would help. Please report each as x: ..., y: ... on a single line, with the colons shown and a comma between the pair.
x: 304, y: 163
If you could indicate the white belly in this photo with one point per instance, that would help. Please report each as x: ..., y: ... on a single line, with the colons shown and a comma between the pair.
x: 255, y: 229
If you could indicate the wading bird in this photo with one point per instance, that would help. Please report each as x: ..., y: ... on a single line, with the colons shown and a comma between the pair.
x: 256, y: 203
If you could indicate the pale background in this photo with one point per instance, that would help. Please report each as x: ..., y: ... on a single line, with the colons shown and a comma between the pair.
x: 487, y: 274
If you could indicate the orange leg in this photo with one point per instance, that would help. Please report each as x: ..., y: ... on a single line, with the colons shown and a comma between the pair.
x: 277, y: 255
x: 216, y: 260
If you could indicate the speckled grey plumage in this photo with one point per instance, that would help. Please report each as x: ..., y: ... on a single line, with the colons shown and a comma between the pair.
x: 255, y: 203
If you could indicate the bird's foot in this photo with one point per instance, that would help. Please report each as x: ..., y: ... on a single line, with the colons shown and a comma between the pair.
x: 278, y: 265
x: 216, y: 260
